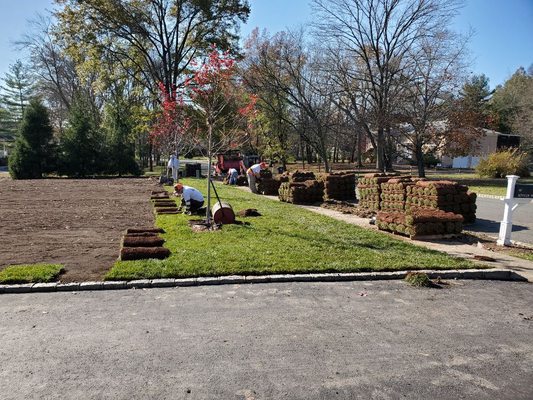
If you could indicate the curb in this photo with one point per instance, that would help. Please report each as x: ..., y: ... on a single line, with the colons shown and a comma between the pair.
x: 483, y: 274
x: 490, y: 196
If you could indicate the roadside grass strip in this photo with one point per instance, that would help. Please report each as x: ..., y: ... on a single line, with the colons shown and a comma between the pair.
x: 488, y: 186
x: 30, y: 273
x: 286, y: 239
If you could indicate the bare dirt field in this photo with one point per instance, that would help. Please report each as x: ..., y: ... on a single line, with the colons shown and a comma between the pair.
x: 75, y: 222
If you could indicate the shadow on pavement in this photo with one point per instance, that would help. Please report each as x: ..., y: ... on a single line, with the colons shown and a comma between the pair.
x: 488, y: 226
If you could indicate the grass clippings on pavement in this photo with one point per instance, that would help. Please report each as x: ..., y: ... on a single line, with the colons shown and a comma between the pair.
x: 285, y: 239
x: 30, y: 273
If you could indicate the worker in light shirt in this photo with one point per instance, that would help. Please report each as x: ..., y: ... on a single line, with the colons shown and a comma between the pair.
x: 191, y: 198
x: 253, y: 173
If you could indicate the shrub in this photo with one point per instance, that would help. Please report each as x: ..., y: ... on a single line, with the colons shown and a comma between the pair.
x: 502, y: 163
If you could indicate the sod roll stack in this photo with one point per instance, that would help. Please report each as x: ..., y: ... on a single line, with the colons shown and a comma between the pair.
x: 267, y: 184
x: 307, y: 192
x: 420, y: 222
x: 394, y: 193
x: 369, y: 188
x: 339, y: 186
x: 442, y: 195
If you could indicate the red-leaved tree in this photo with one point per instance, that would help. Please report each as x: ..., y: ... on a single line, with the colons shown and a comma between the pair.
x: 170, y: 132
x: 224, y: 111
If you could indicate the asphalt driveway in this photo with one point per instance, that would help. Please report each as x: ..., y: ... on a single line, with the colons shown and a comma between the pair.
x: 368, y: 340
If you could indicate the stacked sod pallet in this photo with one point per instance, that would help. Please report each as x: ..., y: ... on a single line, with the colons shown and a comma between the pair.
x: 421, y: 223
x: 339, y: 186
x: 369, y: 188
x: 442, y: 195
x: 394, y: 193
x: 302, y: 188
x: 267, y: 184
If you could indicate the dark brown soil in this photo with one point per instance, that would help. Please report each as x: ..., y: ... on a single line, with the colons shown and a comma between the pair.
x: 75, y: 222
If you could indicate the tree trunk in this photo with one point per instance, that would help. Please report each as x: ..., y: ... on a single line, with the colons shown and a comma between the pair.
x: 359, y: 149
x: 380, y: 151
x: 209, y: 150
x: 419, y: 154
x: 150, y: 160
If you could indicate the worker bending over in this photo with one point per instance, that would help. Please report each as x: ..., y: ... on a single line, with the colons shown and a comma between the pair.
x: 191, y: 198
x: 253, y: 173
x: 233, y: 174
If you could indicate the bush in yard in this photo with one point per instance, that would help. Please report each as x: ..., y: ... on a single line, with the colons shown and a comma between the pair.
x: 34, y: 152
x: 502, y: 163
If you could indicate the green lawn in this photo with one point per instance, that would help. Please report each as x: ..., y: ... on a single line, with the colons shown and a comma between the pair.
x: 285, y: 239
x: 479, y: 185
x: 32, y: 273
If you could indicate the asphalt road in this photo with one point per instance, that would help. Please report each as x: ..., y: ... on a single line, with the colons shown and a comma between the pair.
x: 381, y: 340
x: 490, y: 214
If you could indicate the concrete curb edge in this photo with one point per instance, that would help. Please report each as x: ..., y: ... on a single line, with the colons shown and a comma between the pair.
x: 485, y: 274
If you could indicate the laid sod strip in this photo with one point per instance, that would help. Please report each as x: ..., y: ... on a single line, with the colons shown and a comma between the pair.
x: 34, y: 273
x: 144, y: 230
x: 138, y: 253
x: 284, y: 239
x: 142, y: 241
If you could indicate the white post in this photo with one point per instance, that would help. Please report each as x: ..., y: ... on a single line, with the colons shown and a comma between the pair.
x: 506, y: 226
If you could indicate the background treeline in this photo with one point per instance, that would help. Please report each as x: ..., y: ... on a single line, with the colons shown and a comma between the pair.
x: 369, y: 74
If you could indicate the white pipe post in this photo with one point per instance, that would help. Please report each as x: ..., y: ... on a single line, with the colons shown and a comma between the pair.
x: 506, y: 226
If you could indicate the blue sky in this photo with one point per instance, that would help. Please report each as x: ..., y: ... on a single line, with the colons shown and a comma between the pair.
x: 502, y: 43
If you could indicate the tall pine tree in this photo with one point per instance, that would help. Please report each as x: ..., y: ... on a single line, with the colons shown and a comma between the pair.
x: 17, y: 90
x: 34, y: 152
x: 82, y: 146
x: 120, y: 144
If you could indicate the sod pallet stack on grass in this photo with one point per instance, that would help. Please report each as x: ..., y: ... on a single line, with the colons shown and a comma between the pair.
x: 302, y: 188
x: 339, y: 186
x: 140, y: 244
x: 442, y: 195
x: 421, y: 223
x: 369, y: 188
x: 394, y: 193
x: 267, y: 184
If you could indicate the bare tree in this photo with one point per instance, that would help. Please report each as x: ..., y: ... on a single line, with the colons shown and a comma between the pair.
x: 433, y: 75
x: 379, y: 34
x: 290, y: 68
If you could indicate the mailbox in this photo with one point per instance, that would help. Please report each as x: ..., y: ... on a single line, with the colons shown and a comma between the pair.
x: 523, y: 191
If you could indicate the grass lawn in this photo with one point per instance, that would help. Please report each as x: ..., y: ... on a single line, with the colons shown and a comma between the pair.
x: 285, y: 239
x: 479, y: 185
x: 34, y: 273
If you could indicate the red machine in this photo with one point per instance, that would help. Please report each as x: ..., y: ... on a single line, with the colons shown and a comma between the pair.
x: 233, y: 159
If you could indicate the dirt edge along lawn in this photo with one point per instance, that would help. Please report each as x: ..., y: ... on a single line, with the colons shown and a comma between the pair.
x: 285, y: 239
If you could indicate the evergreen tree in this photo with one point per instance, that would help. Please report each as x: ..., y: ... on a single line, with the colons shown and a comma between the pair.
x: 81, y: 144
x: 17, y: 91
x: 120, y: 145
x: 474, y: 102
x: 34, y: 152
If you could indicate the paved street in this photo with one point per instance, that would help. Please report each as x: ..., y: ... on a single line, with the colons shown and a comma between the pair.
x: 379, y: 340
x: 490, y: 214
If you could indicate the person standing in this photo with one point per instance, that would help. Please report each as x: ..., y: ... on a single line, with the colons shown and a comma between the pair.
x: 174, y: 164
x: 253, y: 173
